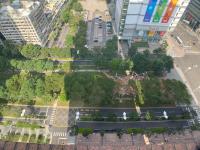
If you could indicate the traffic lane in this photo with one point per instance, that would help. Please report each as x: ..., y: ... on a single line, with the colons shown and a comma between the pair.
x: 125, y: 125
x: 58, y: 129
x: 119, y: 112
x: 29, y: 109
x: 169, y: 110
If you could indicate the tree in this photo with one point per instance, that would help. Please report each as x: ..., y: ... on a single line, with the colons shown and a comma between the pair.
x: 54, y: 84
x: 157, y: 67
x: 96, y: 95
x: 132, y: 51
x: 119, y: 133
x: 77, y: 91
x: 65, y: 16
x: 110, y: 50
x: 149, y: 116
x: 86, y: 131
x: 158, y: 51
x: 9, y: 50
x: 13, y: 87
x: 3, y: 63
x: 108, y: 1
x: 69, y: 41
x: 3, y: 93
x: 27, y: 90
x: 39, y: 87
x: 102, y: 132
x: 168, y: 62
x: 77, y: 7
x: 141, y: 63
x: 94, y: 89
x: 31, y: 51
x: 115, y: 65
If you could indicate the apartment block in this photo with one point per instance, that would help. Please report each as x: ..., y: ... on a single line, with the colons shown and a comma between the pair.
x: 147, y: 20
x: 24, y: 22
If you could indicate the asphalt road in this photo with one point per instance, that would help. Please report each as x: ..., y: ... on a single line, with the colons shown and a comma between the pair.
x: 119, y: 111
x: 125, y: 125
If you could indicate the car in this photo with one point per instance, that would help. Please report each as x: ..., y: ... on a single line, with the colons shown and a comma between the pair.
x: 95, y: 40
x: 108, y: 28
x: 109, y: 23
x: 109, y: 31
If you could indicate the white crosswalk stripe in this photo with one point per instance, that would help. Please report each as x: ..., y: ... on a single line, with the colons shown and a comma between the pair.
x: 52, y: 116
x: 60, y: 134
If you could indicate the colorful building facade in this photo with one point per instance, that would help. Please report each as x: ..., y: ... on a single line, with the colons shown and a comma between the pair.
x: 147, y: 19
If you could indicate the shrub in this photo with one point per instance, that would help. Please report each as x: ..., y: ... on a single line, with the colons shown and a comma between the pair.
x: 85, y: 131
x: 135, y: 130
x: 149, y: 116
x: 134, y: 116
x: 112, y: 118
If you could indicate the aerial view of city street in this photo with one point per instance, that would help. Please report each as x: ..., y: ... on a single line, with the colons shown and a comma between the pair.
x: 99, y: 75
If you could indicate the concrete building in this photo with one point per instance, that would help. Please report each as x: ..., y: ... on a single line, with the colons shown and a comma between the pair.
x: 24, y: 22
x: 192, y: 14
x: 147, y: 19
x: 54, y: 5
x: 2, y: 38
x: 52, y: 8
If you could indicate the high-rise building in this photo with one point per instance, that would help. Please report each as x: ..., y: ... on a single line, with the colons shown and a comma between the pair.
x: 24, y: 22
x: 147, y: 19
x: 192, y: 14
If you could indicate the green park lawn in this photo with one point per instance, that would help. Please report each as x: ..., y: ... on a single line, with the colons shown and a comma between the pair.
x: 32, y: 126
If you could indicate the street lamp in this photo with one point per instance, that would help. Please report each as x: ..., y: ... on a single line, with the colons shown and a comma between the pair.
x: 124, y: 116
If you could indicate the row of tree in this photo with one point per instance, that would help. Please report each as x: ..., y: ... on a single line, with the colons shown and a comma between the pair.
x: 30, y: 57
x: 34, y: 65
x: 67, y: 11
x: 32, y: 51
x: 27, y: 87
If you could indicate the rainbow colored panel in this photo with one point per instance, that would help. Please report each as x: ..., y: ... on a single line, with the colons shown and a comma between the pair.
x: 169, y: 11
x: 160, y: 9
x: 150, y: 9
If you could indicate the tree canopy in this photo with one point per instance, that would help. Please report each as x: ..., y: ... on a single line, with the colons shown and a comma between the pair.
x: 91, y: 88
x: 157, y: 62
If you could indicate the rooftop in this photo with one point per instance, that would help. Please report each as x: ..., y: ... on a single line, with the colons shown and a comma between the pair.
x: 19, y: 7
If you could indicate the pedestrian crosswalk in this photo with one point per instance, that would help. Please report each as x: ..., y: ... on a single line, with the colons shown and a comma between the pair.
x: 53, y: 115
x: 60, y: 134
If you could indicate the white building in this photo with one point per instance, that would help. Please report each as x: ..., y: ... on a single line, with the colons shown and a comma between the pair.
x: 24, y: 22
x: 147, y: 19
x: 54, y: 5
